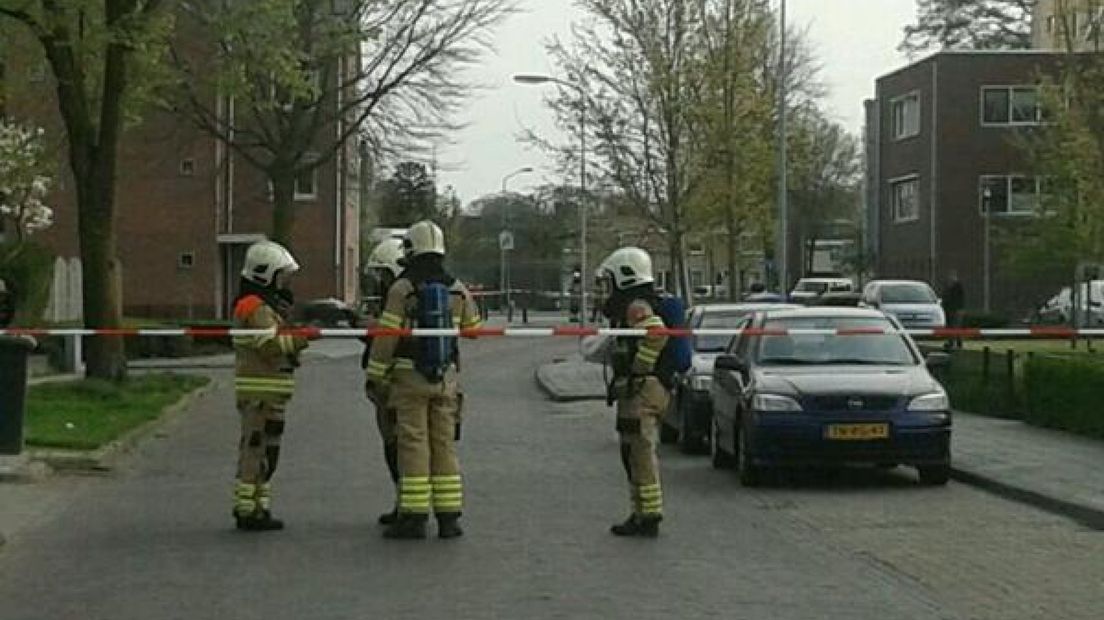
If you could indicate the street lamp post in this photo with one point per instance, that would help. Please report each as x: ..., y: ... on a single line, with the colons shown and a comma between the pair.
x: 538, y: 80
x: 782, y: 253
x: 987, y: 206
x: 503, y: 265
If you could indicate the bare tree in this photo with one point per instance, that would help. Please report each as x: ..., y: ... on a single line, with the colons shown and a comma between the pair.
x: 307, y: 76
x: 97, y: 51
x: 633, y: 63
x: 679, y: 99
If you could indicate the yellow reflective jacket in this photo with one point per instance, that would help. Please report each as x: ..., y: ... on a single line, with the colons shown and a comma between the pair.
x: 265, y: 362
x: 398, y: 312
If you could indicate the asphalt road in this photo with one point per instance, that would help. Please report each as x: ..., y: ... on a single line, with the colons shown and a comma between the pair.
x: 154, y: 539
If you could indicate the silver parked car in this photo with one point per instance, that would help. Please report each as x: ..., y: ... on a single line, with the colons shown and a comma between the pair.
x: 912, y: 302
x: 689, y: 418
x: 1058, y: 310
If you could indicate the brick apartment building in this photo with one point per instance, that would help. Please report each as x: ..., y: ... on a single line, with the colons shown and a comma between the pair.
x: 188, y: 207
x: 941, y: 144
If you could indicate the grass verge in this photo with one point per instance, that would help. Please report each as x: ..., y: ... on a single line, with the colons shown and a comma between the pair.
x: 85, y: 415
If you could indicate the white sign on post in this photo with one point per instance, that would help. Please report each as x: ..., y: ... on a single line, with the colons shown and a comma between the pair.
x: 506, y: 240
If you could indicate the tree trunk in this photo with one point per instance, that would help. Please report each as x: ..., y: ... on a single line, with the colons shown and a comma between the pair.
x: 678, y: 262
x: 733, y: 236
x: 93, y: 153
x: 283, y: 208
x: 102, y: 279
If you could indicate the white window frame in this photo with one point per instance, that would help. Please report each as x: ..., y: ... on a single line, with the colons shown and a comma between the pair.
x: 301, y: 196
x: 893, y: 204
x: 187, y: 167
x: 1008, y: 178
x: 1009, y: 89
x: 699, y: 275
x: 903, y: 132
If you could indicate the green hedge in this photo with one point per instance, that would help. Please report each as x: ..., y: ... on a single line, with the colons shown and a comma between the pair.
x: 29, y: 269
x: 1053, y: 391
x: 978, y: 319
x: 980, y: 386
x: 1063, y: 392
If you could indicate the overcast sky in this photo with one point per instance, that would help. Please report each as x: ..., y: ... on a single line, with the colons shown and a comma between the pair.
x: 856, y: 39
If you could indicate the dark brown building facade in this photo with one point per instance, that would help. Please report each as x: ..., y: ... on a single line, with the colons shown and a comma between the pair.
x: 188, y: 208
x: 943, y: 142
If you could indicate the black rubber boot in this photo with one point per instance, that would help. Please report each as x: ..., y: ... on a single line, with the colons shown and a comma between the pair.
x: 643, y: 527
x: 389, y: 518
x: 448, y: 526
x: 391, y: 456
x: 258, y: 522
x: 407, y: 527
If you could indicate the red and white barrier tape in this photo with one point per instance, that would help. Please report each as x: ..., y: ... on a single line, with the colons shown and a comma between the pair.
x: 1039, y: 333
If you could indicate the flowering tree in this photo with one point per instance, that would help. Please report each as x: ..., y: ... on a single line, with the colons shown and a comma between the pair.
x: 23, y: 187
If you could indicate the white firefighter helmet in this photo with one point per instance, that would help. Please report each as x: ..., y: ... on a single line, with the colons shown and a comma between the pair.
x: 388, y: 255
x: 425, y: 237
x: 629, y: 267
x: 264, y: 260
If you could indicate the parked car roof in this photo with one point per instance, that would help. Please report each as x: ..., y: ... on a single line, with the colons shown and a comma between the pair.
x: 827, y: 312
x: 751, y: 306
x: 897, y: 282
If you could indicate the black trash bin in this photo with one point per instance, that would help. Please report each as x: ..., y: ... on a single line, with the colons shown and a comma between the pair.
x: 13, y: 391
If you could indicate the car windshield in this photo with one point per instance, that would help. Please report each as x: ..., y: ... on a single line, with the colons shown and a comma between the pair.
x: 907, y: 294
x: 811, y: 287
x: 821, y: 349
x: 727, y: 319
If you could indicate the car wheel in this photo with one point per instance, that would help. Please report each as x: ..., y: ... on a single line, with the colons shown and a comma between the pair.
x: 690, y: 440
x: 750, y: 475
x: 721, y: 459
x: 934, y: 475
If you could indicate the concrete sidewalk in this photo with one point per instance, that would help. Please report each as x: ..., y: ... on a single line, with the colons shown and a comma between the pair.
x: 1053, y: 470
x: 572, y: 379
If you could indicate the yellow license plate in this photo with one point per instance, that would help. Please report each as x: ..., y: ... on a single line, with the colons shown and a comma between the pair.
x: 858, y: 432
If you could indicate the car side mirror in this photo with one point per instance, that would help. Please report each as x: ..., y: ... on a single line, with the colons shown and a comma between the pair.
x: 731, y: 362
x: 937, y: 361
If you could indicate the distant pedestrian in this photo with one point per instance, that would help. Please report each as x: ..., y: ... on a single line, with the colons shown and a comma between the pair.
x: 7, y: 305
x: 598, y: 296
x: 954, y: 303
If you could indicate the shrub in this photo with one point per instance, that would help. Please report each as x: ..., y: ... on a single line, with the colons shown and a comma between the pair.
x: 1063, y: 392
x: 29, y: 269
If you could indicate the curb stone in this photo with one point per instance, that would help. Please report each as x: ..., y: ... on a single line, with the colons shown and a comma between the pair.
x: 548, y: 387
x: 106, y: 457
x: 1082, y: 514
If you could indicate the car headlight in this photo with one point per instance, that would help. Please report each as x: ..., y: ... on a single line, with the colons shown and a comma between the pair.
x: 701, y: 383
x: 774, y: 403
x: 936, y: 401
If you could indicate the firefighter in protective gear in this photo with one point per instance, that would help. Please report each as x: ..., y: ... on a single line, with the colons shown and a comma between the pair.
x: 641, y: 394
x: 264, y: 380
x: 386, y: 263
x: 427, y: 409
